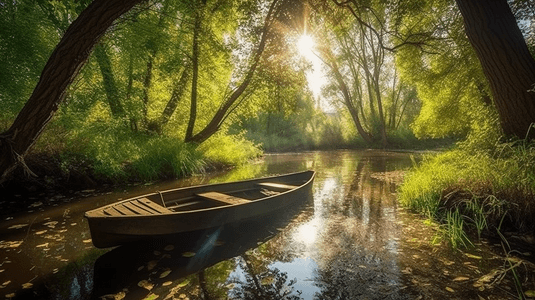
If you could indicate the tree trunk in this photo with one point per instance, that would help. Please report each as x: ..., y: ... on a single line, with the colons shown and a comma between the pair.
x: 349, y: 104
x: 62, y: 67
x: 146, y: 86
x: 223, y: 111
x: 505, y: 59
x: 110, y: 86
x: 195, y: 64
x: 132, y: 119
x: 176, y: 95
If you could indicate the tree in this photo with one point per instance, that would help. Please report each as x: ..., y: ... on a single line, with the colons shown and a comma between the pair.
x: 451, y: 86
x: 362, y: 70
x: 109, y: 82
x: 62, y: 67
x: 506, y: 61
x: 504, y: 56
x: 231, y: 100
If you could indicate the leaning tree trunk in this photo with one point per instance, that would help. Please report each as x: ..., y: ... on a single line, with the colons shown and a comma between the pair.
x: 195, y: 78
x: 176, y: 95
x: 62, y: 67
x: 505, y: 59
x: 223, y: 111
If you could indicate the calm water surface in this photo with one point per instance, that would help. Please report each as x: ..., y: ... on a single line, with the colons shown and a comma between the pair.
x: 351, y: 240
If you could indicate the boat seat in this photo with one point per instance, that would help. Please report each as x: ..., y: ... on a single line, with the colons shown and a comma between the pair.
x: 141, y: 206
x: 277, y: 186
x: 227, y: 199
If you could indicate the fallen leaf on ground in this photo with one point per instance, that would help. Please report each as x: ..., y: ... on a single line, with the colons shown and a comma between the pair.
x: 10, y: 244
x: 530, y: 293
x: 165, y: 273
x: 188, y: 254
x: 35, y: 204
x: 151, y: 296
x: 461, y: 278
x: 18, y: 226
x: 6, y: 283
x: 87, y: 241
x: 183, y: 283
x: 145, y: 284
x: 473, y: 256
x: 41, y: 232
x: 167, y: 283
x: 450, y: 289
x: 487, y: 278
x: 27, y: 285
x: 42, y: 245
x: 51, y: 224
x: 169, y: 248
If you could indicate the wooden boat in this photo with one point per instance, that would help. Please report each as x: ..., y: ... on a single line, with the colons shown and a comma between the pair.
x: 194, y: 208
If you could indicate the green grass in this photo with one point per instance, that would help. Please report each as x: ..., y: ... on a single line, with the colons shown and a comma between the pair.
x: 125, y: 155
x: 112, y: 152
x: 232, y: 150
x: 481, y: 190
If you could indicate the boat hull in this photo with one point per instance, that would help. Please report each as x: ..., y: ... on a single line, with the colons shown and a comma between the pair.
x: 109, y: 231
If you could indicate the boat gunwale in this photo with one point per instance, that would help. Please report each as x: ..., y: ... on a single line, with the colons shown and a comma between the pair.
x: 90, y: 213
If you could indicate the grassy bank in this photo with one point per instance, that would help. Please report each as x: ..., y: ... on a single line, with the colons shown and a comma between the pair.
x: 481, y: 190
x: 84, y: 158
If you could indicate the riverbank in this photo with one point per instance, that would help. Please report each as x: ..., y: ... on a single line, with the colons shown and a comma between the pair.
x: 473, y: 193
x: 353, y: 226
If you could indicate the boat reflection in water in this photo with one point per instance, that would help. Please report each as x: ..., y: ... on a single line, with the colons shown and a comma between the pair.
x: 163, y: 266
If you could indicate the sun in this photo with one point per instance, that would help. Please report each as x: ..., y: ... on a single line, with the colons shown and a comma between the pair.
x: 305, y: 46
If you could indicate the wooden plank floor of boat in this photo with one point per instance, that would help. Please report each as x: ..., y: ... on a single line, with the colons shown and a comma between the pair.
x: 141, y: 206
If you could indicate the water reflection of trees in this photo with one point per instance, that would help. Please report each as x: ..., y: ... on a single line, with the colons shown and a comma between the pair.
x: 263, y: 283
x: 360, y: 236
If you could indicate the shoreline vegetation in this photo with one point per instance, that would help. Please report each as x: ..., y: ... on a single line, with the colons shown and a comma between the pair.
x: 471, y: 190
x: 108, y: 153
x: 477, y: 191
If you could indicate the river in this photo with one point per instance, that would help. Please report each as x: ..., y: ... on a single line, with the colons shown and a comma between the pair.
x: 351, y: 240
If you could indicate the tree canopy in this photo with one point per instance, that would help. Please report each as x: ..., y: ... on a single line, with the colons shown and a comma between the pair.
x: 188, y: 70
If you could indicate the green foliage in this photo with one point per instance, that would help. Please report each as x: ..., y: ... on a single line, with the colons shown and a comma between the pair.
x: 489, y: 188
x: 118, y: 154
x: 447, y: 74
x: 229, y: 149
x: 454, y: 229
x: 26, y: 40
